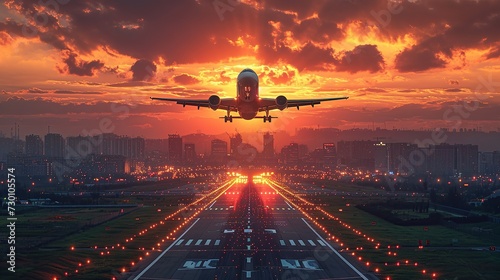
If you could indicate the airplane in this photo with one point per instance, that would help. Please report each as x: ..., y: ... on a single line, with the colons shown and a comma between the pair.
x: 247, y: 102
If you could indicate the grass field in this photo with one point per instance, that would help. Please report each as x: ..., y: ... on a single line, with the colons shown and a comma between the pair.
x: 452, y: 254
x: 64, y: 224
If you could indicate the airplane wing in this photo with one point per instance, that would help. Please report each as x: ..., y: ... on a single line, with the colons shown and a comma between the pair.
x: 225, y: 103
x: 270, y: 103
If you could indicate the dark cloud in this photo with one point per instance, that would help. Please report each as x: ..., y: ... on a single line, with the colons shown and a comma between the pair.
x: 454, y: 90
x: 309, y: 57
x: 494, y: 53
x: 185, y: 79
x: 453, y: 82
x: 38, y: 107
x: 76, y: 66
x: 294, y: 32
x: 361, y: 58
x: 377, y: 90
x: 132, y: 84
x: 143, y: 70
x: 416, y: 59
x: 317, y: 30
x: 457, y: 27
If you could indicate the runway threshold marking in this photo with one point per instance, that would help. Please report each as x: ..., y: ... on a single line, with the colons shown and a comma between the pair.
x: 335, y: 251
x: 164, y: 252
x: 189, y: 242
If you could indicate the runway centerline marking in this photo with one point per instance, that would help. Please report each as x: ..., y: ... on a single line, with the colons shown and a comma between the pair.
x: 164, y: 252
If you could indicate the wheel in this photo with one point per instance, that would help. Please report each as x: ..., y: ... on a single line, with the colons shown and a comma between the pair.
x: 230, y: 118
x: 270, y: 118
x: 225, y: 118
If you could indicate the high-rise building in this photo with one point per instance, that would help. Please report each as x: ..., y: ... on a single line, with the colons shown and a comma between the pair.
x: 381, y: 157
x: 486, y: 165
x: 218, y: 151
x: 467, y: 159
x: 268, y: 146
x: 174, y: 148
x: 82, y: 146
x: 290, y: 154
x: 440, y: 160
x: 54, y: 145
x: 399, y: 156
x: 189, y: 153
x: 330, y: 153
x: 357, y: 154
x: 156, y: 145
x: 234, y: 143
x: 34, y: 145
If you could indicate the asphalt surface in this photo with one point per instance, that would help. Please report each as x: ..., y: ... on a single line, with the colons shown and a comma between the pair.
x: 250, y: 232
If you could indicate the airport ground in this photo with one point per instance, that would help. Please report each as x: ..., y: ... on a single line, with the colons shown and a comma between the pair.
x: 288, y: 238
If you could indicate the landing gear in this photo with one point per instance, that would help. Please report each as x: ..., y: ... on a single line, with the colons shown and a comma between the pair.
x: 228, y: 116
x: 267, y: 117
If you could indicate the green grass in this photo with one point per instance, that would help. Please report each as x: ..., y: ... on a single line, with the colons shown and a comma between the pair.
x: 442, y: 256
x: 56, y: 257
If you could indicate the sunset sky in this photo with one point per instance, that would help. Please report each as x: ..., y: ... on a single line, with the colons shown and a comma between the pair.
x: 404, y: 64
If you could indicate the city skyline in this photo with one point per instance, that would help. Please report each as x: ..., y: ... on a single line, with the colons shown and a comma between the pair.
x: 398, y: 69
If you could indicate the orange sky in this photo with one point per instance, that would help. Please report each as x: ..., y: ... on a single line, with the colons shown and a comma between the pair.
x: 404, y: 64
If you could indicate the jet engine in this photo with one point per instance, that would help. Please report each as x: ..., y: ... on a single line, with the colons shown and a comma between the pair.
x: 214, y: 102
x: 281, y: 102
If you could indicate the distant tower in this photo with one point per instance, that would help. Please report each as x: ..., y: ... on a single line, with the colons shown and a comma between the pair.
x: 34, y: 145
x: 54, y: 145
x: 268, y: 146
x: 234, y: 143
x: 218, y: 151
x: 174, y: 148
x: 189, y: 153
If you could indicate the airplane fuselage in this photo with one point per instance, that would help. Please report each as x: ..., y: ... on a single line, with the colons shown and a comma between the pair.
x: 247, y: 94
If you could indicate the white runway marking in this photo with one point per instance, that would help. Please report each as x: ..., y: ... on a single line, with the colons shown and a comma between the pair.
x: 164, y: 252
x: 335, y: 251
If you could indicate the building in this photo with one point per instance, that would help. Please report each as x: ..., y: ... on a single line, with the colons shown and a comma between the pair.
x: 357, y: 154
x: 156, y: 145
x: 82, y: 145
x: 105, y: 165
x: 467, y: 160
x: 381, y: 157
x: 218, y: 151
x: 330, y: 153
x: 234, y: 144
x: 34, y: 145
x: 189, y: 153
x: 290, y: 154
x: 174, y: 149
x: 54, y: 145
x: 268, y: 146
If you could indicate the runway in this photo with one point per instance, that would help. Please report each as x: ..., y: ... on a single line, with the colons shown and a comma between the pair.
x: 250, y: 232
